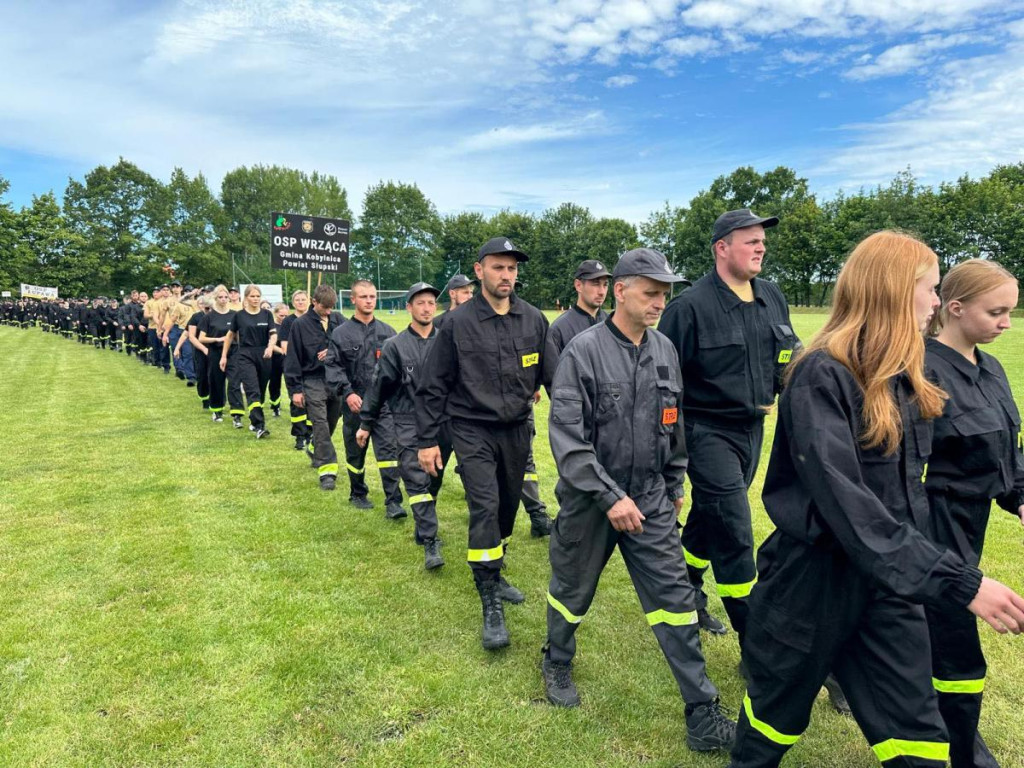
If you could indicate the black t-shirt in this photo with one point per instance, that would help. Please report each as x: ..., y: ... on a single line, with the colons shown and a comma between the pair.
x: 196, y: 319
x: 253, y: 330
x: 284, y: 327
x: 216, y: 324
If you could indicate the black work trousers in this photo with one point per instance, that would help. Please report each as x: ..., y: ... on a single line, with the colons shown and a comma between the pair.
x: 492, y: 457
x: 385, y: 450
x: 718, y: 530
x: 252, y: 371
x: 812, y: 612
x: 323, y: 407
x: 531, y: 485
x: 958, y: 663
x: 235, y: 405
x: 583, y: 539
x: 217, y: 379
x: 200, y: 362
x: 420, y: 487
x: 274, y: 385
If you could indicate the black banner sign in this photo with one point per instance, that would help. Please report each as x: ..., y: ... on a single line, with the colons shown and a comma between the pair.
x: 310, y: 243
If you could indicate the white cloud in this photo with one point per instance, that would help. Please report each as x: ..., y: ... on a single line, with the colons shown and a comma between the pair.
x: 691, y: 45
x: 620, y: 81
x: 512, y: 135
x: 909, y: 57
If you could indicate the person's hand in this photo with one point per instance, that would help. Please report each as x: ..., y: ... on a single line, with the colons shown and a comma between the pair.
x: 430, y: 460
x: 203, y: 348
x: 223, y: 363
x: 354, y: 402
x: 268, y: 352
x: 1020, y: 513
x: 536, y: 397
x: 678, y: 504
x: 321, y: 355
x: 998, y: 605
x: 165, y: 340
x: 177, y: 354
x: 625, y: 516
x: 299, y: 399
x: 362, y: 437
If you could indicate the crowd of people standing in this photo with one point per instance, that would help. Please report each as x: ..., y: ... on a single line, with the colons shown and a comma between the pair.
x: 895, y: 434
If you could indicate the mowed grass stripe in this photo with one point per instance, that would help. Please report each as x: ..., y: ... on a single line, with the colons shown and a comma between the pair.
x: 181, y: 594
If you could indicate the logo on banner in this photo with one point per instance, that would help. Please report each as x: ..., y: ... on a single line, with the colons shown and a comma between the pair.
x: 281, y: 223
x: 330, y: 229
x: 307, y: 226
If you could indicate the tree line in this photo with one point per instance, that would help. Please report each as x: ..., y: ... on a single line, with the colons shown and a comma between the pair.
x: 120, y: 228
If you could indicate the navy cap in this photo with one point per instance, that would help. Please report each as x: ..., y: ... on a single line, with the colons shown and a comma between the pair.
x: 420, y: 288
x: 175, y: 283
x: 500, y: 245
x: 591, y: 269
x: 646, y: 262
x: 233, y: 289
x: 457, y: 281
x: 744, y: 217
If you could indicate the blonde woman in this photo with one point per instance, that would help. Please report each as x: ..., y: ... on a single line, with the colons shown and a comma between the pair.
x: 976, y: 458
x: 843, y: 577
x: 256, y: 335
x: 213, y: 329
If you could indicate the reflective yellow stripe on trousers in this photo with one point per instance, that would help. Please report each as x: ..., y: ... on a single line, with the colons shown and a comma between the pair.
x: 766, y: 730
x: 328, y: 469
x: 958, y: 686
x: 672, y: 619
x: 695, y: 561
x: 568, y: 615
x: 485, y: 555
x: 736, y: 590
x: 420, y: 498
x: 927, y: 750
x: 387, y: 464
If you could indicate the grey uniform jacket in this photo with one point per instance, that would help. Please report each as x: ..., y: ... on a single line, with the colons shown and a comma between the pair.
x: 616, y: 423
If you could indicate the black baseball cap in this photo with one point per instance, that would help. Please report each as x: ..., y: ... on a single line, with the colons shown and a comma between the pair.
x: 176, y: 282
x: 420, y: 288
x: 500, y: 245
x: 457, y: 281
x: 646, y: 262
x: 744, y: 217
x: 165, y: 285
x: 233, y: 289
x: 591, y: 269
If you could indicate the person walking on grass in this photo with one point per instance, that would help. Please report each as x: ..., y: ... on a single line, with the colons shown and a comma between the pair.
x: 301, y: 426
x: 256, y: 333
x: 213, y: 328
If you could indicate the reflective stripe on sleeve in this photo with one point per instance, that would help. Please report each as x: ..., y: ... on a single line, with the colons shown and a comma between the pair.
x: 958, y: 686
x: 927, y: 750
x: 485, y: 555
x: 568, y: 615
x: 692, y: 559
x: 672, y: 618
x: 766, y: 730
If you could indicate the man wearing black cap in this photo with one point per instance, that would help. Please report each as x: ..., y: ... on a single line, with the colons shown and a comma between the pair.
x: 484, y: 372
x: 734, y: 339
x: 591, y: 284
x: 351, y: 357
x: 459, y: 290
x: 617, y: 440
x: 395, y: 378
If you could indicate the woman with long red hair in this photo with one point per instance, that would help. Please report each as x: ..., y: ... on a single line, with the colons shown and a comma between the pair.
x: 843, y: 579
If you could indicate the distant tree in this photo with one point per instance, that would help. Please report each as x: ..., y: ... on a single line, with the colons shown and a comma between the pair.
x: 663, y: 230
x: 559, y: 246
x: 461, y: 236
x: 398, y: 236
x: 13, y: 270
x: 56, y: 255
x: 186, y: 215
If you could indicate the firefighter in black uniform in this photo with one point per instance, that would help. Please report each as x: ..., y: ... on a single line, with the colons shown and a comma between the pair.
x: 256, y: 332
x: 353, y: 353
x: 842, y: 577
x: 305, y: 376
x: 395, y: 378
x: 200, y: 352
x: 734, y: 339
x: 301, y: 425
x: 484, y: 372
x: 976, y: 457
x: 591, y: 284
x: 617, y: 439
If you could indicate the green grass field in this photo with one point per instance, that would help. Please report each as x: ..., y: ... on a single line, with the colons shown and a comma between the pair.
x: 179, y: 594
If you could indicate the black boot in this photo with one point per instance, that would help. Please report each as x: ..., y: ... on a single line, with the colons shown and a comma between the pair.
x: 837, y: 697
x: 709, y: 623
x: 707, y: 728
x: 494, y: 634
x: 540, y: 524
x: 508, y: 593
x: 558, y: 685
x: 432, y: 554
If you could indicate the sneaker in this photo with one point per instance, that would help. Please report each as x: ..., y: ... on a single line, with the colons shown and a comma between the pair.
x: 360, y: 502
x: 217, y: 417
x: 252, y: 427
x: 395, y: 511
x: 326, y: 482
x: 236, y: 421
x: 837, y: 697
x: 262, y: 432
x: 191, y: 383
x: 179, y: 374
x: 432, y: 554
x: 707, y: 727
x: 508, y: 593
x: 558, y: 685
x: 709, y: 623
x: 494, y: 633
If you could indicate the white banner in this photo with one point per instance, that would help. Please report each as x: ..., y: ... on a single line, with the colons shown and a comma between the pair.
x: 37, y: 292
x: 272, y: 293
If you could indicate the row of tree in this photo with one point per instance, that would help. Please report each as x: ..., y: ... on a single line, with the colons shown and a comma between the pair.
x: 120, y: 228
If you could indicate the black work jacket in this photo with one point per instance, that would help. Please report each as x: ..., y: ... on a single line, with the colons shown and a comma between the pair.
x: 976, y: 453
x: 571, y: 322
x: 395, y: 378
x: 306, y: 338
x: 353, y: 352
x: 825, y: 489
x: 482, y: 367
x: 615, y: 425
x: 732, y: 352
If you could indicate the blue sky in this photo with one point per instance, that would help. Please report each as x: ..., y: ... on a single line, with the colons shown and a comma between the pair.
x: 617, y: 105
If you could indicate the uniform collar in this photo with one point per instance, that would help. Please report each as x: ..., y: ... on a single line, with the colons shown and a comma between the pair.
x: 411, y: 332
x: 727, y: 296
x: 621, y: 336
x: 591, y: 318
x: 485, y: 311
x: 960, y: 363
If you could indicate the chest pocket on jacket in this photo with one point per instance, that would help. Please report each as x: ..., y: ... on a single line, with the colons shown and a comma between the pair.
x: 722, y: 351
x: 527, y: 352
x: 785, y: 343
x: 478, y: 360
x: 609, y: 402
x: 668, y: 413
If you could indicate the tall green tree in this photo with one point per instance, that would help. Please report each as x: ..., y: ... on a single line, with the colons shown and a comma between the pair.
x: 57, y: 254
x: 13, y: 270
x: 186, y: 216
x: 460, y: 238
x: 559, y: 245
x: 398, y: 236
x: 664, y: 231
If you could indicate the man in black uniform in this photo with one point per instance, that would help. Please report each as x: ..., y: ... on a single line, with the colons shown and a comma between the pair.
x: 484, y: 372
x: 353, y: 353
x: 591, y: 284
x: 398, y: 371
x: 305, y: 376
x: 734, y: 339
x: 618, y: 441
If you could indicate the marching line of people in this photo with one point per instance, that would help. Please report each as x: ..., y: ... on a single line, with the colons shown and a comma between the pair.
x: 895, y: 433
